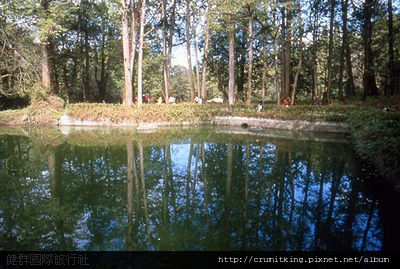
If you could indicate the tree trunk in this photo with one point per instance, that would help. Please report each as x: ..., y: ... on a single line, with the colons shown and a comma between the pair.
x: 392, y: 83
x: 66, y: 82
x: 196, y: 55
x: 56, y: 84
x: 206, y: 41
x: 264, y: 71
x: 288, y: 50
x: 231, y: 85
x: 278, y: 92
x: 283, y: 53
x: 299, y: 65
x: 165, y: 67
x: 46, y: 55
x: 86, y: 82
x: 189, y: 55
x: 128, y: 91
x: 330, y: 49
x: 370, y: 88
x: 170, y: 43
x: 46, y: 67
x: 140, y: 54
x: 104, y: 74
x: 133, y: 32
x: 85, y: 70
x: 286, y: 41
x: 350, y: 81
x: 341, y: 71
x: 314, y: 60
x: 240, y: 76
x: 250, y: 71
x: 342, y: 50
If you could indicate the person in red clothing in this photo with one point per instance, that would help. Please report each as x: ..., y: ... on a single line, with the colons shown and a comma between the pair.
x: 286, y: 101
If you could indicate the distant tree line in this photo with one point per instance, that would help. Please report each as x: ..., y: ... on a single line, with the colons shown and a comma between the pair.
x: 244, y: 50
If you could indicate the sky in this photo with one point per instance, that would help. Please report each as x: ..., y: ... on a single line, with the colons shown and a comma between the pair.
x: 179, y: 55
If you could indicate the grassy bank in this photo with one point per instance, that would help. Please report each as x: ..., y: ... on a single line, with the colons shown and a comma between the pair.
x: 49, y: 111
x: 45, y: 113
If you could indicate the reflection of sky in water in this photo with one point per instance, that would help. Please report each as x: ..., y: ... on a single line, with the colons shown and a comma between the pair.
x: 179, y: 156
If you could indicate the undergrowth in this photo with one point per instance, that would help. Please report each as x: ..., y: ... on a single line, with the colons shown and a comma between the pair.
x: 375, y: 135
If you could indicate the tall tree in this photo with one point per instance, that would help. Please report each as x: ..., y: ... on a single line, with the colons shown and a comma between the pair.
x: 300, y: 46
x: 369, y: 81
x: 102, y: 78
x: 276, y: 56
x: 86, y: 71
x: 128, y: 87
x: 164, y: 50
x: 205, y: 54
x: 231, y: 69
x: 315, y: 22
x: 264, y: 70
x: 167, y: 45
x: 330, y: 51
x: 103, y: 60
x: 196, y: 54
x: 170, y: 40
x: 345, y: 55
x: 46, y: 48
x: 391, y: 52
x: 288, y: 43
x: 250, y: 70
x: 188, y: 51
x: 342, y: 49
x: 286, y: 22
x: 346, y: 43
x: 140, y: 53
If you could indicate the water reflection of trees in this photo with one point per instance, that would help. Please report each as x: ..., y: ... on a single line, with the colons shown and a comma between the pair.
x: 254, y: 194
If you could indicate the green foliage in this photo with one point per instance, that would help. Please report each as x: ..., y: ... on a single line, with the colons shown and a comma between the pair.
x: 152, y: 76
x: 19, y: 56
x: 374, y: 132
x: 180, y: 83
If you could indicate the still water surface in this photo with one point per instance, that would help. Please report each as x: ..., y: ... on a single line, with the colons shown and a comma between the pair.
x: 185, y: 189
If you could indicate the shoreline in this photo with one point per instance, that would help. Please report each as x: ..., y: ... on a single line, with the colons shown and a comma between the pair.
x: 245, y: 122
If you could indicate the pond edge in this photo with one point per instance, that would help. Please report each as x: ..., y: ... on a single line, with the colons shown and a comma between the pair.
x: 245, y: 122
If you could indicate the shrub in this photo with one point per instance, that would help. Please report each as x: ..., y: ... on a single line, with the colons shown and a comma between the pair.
x: 375, y: 135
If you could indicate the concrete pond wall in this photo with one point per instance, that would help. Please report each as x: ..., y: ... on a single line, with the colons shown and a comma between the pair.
x: 244, y: 122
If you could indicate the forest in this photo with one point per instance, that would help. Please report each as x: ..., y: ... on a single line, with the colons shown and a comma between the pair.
x: 243, y: 51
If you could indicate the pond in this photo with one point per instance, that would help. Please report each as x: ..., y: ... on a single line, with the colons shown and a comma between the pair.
x: 205, y: 188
